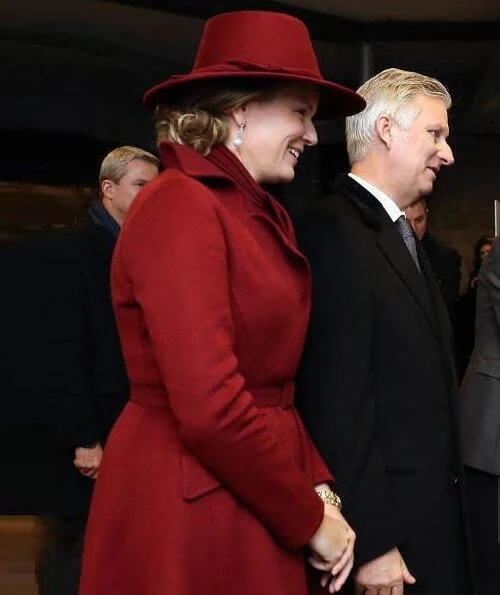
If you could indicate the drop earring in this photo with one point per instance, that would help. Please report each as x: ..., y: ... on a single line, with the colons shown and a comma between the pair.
x: 238, y: 137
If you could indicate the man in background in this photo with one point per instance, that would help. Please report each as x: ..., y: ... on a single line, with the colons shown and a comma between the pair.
x: 87, y: 415
x: 445, y: 261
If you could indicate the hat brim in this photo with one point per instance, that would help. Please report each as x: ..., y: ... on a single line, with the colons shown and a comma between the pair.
x: 335, y: 100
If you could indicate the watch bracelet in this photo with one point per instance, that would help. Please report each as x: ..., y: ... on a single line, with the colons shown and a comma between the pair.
x: 330, y: 497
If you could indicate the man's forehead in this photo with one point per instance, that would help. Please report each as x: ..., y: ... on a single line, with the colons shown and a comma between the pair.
x: 432, y: 107
x: 416, y: 210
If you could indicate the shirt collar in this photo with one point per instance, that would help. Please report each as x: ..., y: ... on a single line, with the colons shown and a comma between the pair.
x: 101, y: 216
x: 390, y: 207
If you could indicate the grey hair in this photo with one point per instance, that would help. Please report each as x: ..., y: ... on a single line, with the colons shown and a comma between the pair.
x: 392, y: 93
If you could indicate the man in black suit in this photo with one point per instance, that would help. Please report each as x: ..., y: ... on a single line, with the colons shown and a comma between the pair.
x: 445, y: 261
x: 90, y: 412
x: 377, y: 384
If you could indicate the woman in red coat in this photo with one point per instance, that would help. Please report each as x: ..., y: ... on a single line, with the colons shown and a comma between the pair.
x: 208, y: 481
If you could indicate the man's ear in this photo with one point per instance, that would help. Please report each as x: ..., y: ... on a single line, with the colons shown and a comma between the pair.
x: 107, y: 189
x: 383, y: 130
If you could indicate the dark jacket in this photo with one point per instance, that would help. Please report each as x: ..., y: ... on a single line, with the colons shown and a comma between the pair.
x: 90, y: 413
x: 64, y: 377
x: 480, y: 392
x: 377, y: 386
x: 445, y: 263
x: 104, y: 380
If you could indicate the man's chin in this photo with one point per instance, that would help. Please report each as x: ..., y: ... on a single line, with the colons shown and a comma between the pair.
x: 426, y: 189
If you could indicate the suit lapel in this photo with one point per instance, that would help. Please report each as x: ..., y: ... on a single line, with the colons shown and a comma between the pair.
x: 391, y: 245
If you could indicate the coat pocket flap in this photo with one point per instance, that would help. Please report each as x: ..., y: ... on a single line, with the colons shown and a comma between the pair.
x: 489, y: 366
x: 401, y: 456
x: 196, y: 480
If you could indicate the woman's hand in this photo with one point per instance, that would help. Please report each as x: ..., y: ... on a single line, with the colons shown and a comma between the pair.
x: 333, y: 549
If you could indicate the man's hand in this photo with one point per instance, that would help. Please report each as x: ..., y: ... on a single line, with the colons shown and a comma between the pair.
x: 385, y: 575
x: 87, y: 460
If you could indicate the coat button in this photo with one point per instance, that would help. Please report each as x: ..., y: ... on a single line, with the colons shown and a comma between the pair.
x: 453, y: 480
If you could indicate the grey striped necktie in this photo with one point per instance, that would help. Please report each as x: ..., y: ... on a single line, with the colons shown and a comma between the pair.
x: 409, y: 239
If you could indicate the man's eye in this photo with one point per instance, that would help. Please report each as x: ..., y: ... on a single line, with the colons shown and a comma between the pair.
x: 434, y: 134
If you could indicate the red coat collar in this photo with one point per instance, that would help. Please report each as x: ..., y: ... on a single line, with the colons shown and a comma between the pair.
x: 190, y: 162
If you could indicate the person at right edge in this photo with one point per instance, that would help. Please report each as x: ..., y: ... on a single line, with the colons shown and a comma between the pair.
x: 377, y: 384
x: 209, y: 482
x: 479, y: 415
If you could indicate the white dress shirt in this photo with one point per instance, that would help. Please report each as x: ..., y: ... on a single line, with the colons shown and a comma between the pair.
x: 390, y: 207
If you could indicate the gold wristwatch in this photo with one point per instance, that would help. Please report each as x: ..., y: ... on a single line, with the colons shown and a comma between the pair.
x: 330, y: 497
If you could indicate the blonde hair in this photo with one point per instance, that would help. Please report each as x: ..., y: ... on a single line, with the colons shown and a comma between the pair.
x: 199, y: 118
x: 114, y: 165
x: 392, y: 93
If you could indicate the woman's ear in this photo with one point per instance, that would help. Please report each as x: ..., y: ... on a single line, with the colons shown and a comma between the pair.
x: 383, y: 129
x: 239, y: 116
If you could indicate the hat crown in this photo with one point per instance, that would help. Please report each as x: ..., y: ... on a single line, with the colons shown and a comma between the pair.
x: 257, y: 37
x: 255, y: 44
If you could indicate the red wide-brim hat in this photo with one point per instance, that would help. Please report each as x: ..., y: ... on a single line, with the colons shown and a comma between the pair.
x: 258, y: 45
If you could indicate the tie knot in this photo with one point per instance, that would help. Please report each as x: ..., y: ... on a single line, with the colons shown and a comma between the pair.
x: 404, y: 227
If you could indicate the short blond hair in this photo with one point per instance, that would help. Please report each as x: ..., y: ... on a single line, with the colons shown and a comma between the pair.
x: 114, y: 165
x: 199, y: 118
x: 392, y: 93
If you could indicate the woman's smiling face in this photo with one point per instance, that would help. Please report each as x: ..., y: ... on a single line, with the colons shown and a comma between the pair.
x: 276, y: 132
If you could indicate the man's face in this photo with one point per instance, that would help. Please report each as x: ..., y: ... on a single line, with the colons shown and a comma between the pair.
x: 118, y: 196
x: 417, y: 154
x: 484, y: 251
x: 416, y: 215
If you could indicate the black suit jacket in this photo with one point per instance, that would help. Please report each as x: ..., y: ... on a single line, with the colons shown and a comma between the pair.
x: 104, y: 388
x: 376, y: 385
x: 445, y: 263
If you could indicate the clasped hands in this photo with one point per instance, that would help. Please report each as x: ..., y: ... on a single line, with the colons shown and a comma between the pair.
x: 332, y: 551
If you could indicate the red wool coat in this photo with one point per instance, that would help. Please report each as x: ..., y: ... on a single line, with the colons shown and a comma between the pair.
x: 206, y: 485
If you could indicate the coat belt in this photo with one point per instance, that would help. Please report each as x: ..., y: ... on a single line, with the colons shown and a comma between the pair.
x: 276, y: 396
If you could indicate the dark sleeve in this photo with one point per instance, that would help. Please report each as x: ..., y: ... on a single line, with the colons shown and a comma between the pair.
x: 489, y: 276
x: 76, y: 412
x: 335, y: 389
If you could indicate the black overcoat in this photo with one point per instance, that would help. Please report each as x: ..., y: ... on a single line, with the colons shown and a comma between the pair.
x: 377, y: 388
x: 92, y: 410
